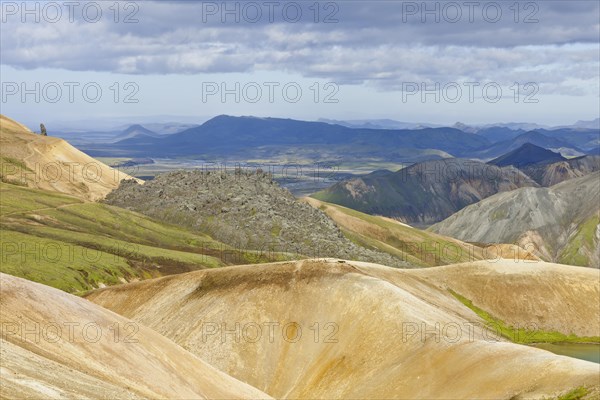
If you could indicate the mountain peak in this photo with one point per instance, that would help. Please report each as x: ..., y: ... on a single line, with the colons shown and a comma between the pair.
x: 137, y: 128
x: 527, y: 154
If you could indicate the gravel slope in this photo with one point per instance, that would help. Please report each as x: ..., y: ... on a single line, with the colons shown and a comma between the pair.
x: 245, y: 210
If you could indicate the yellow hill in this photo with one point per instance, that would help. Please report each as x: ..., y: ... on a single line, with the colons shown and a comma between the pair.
x: 55, y: 345
x: 50, y: 163
x: 330, y: 329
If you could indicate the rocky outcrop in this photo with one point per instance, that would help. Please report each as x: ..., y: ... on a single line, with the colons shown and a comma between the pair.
x: 245, y: 210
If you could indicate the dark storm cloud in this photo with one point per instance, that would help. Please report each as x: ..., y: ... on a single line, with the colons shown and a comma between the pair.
x: 381, y: 43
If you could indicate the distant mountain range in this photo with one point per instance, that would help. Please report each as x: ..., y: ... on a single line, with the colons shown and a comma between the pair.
x: 83, y: 138
x: 497, y: 134
x: 471, y: 128
x: 530, y: 126
x: 276, y: 138
x: 381, y: 124
x: 265, y: 138
x: 168, y: 128
x: 593, y: 124
x: 136, y: 131
x: 583, y: 134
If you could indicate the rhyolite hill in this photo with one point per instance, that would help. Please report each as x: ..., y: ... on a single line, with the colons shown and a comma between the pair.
x: 561, y: 223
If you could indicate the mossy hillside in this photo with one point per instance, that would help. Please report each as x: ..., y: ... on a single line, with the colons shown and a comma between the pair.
x: 17, y: 199
x: 41, y: 230
x: 61, y: 264
x: 522, y: 335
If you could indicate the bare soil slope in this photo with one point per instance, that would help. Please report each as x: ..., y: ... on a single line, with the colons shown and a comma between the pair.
x: 419, y: 247
x: 56, y: 345
x: 50, y: 163
x: 555, y: 173
x: 334, y: 329
x: 548, y: 297
x: 560, y: 223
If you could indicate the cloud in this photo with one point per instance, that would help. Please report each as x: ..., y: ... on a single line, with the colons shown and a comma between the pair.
x: 377, y: 43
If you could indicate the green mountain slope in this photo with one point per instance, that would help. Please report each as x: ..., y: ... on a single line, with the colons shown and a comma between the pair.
x: 63, y: 242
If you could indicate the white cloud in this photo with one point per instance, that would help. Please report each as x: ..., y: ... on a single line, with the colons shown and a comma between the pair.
x: 370, y: 44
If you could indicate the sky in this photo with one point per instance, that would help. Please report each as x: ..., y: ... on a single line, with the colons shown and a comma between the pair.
x: 436, y: 62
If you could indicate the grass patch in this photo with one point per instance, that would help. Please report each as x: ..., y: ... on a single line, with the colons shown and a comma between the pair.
x: 13, y: 162
x: 575, y: 394
x: 581, y: 246
x: 129, y: 250
x: 125, y: 225
x: 522, y: 335
x: 17, y: 199
x: 60, y: 264
x: 499, y: 214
